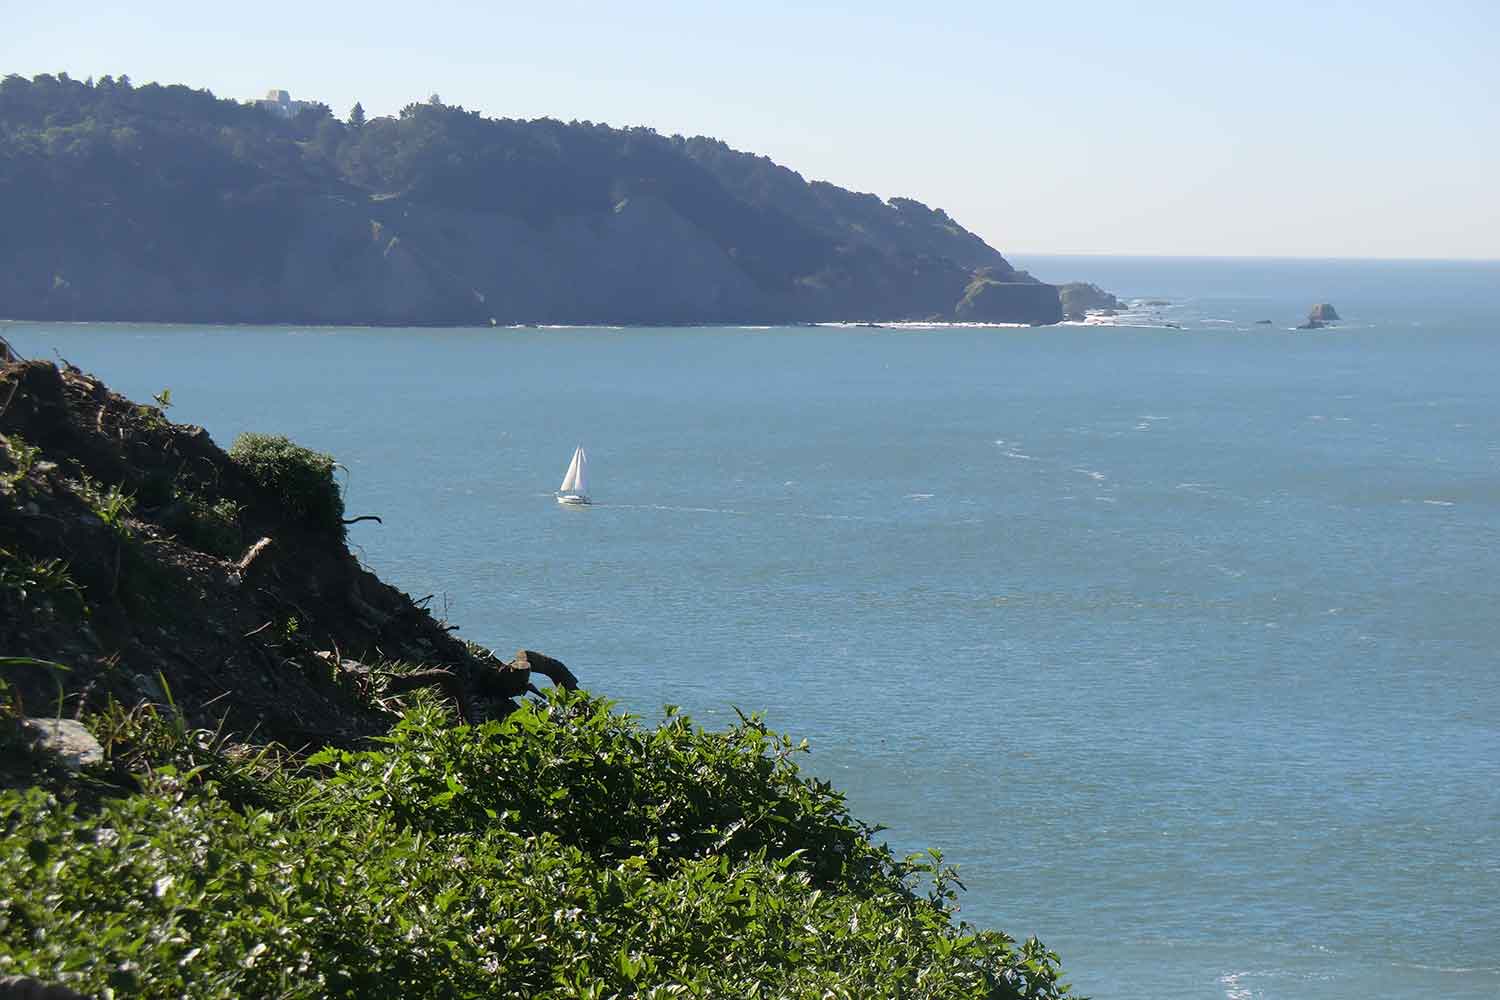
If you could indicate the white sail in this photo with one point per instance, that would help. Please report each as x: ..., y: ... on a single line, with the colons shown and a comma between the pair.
x: 574, y: 481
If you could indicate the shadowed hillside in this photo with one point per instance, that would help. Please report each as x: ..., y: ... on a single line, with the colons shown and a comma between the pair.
x: 168, y: 204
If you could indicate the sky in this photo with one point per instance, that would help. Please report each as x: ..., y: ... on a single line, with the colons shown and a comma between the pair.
x: 1308, y: 129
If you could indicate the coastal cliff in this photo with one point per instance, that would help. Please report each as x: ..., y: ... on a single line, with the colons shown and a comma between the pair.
x: 233, y: 763
x: 167, y: 204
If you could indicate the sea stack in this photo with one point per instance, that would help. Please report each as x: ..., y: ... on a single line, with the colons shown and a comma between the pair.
x: 1320, y: 316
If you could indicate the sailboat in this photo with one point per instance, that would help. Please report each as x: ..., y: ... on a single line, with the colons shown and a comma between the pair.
x: 573, y: 489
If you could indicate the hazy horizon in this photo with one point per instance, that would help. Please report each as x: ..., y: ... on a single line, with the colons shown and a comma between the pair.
x: 1259, y: 130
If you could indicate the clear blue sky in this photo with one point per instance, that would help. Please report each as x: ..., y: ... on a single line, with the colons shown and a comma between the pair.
x: 1365, y: 129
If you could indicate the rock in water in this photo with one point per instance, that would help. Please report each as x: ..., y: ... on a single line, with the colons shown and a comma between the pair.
x: 1080, y: 298
x: 1323, y: 312
x: 987, y: 300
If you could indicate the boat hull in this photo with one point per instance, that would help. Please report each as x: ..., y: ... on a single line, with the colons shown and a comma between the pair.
x: 574, y: 500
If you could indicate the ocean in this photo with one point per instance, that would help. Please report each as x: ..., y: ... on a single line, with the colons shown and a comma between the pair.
x: 1179, y: 635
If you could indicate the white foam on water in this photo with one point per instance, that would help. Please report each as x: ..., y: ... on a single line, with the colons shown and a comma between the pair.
x: 1439, y: 503
x: 1096, y: 476
x: 1232, y: 988
x: 1021, y: 455
x: 1451, y: 969
x: 919, y: 325
x: 674, y: 509
x: 918, y: 496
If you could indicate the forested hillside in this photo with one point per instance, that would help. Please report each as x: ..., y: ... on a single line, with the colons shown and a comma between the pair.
x: 167, y: 203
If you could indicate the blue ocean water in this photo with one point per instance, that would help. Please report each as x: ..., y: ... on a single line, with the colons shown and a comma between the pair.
x: 1180, y: 642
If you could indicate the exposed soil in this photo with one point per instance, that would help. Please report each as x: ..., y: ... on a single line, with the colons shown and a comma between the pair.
x: 109, y: 566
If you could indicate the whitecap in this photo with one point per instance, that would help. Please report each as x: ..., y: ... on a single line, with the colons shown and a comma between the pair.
x: 1439, y: 503
x: 1232, y: 988
x: 918, y: 496
x: 1096, y: 476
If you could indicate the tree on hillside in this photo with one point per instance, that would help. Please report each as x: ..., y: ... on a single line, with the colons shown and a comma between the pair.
x: 357, y: 115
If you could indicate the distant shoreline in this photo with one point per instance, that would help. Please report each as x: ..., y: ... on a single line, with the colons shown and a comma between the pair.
x: 748, y: 325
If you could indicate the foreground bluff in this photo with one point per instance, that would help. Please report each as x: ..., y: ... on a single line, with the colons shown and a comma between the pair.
x: 167, y: 204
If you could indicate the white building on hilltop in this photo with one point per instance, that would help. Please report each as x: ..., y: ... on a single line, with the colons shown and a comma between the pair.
x: 280, y: 103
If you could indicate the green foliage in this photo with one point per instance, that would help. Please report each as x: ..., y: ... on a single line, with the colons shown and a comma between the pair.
x: 566, y: 852
x: 211, y: 526
x: 38, y: 586
x: 110, y: 505
x: 21, y: 457
x: 155, y: 417
x: 300, y: 478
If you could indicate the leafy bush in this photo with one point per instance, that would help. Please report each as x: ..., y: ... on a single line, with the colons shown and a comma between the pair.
x: 302, y: 479
x: 565, y: 852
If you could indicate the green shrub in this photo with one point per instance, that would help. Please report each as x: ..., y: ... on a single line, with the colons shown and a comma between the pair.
x: 565, y: 852
x: 302, y: 479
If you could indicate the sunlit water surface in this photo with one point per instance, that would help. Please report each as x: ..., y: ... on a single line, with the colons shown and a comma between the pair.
x: 1181, y: 643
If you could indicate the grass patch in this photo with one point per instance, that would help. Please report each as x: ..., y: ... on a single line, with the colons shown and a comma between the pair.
x: 111, y: 505
x: 39, y: 586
